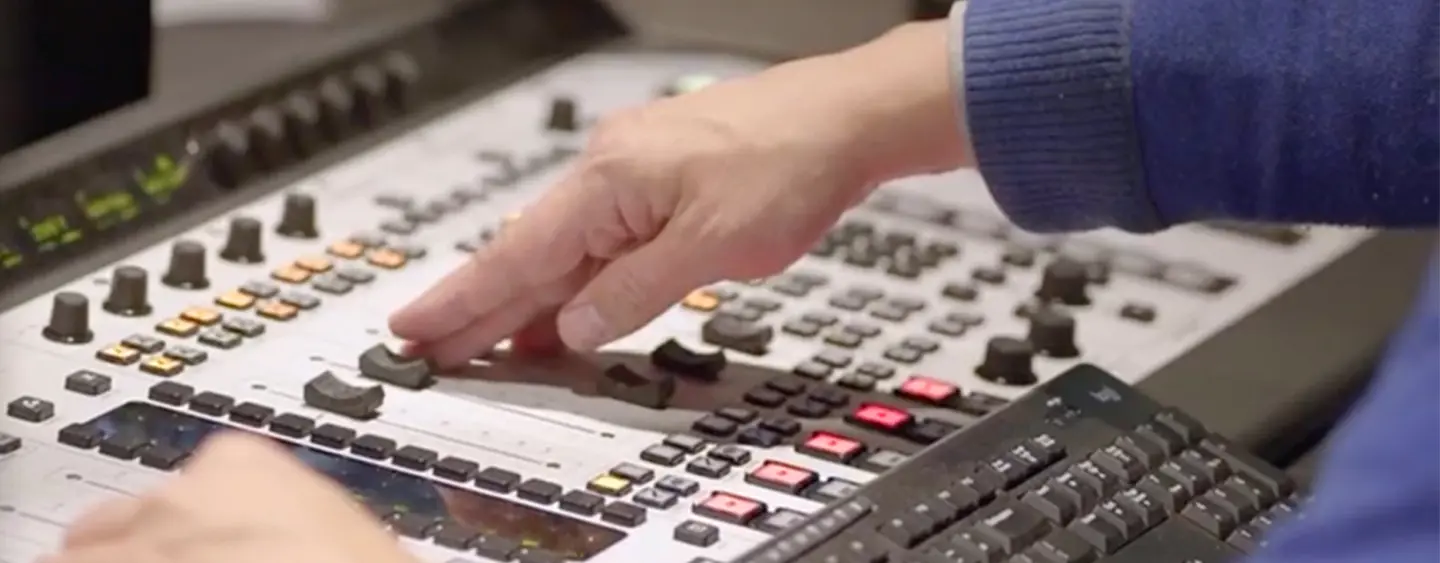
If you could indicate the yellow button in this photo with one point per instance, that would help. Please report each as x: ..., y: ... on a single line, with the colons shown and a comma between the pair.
x: 119, y: 355
x: 317, y: 264
x: 387, y: 258
x: 609, y: 485
x: 235, y: 300
x: 291, y: 274
x: 702, y: 300
x: 178, y: 327
x: 348, y: 250
x: 201, y: 316
x: 162, y: 366
x: 278, y: 311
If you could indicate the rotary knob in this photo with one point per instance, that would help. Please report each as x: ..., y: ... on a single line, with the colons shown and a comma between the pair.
x: 229, y: 160
x: 1007, y: 362
x: 297, y: 219
x: 564, y: 115
x: 337, y: 109
x: 243, y: 245
x: 301, y: 114
x: 187, y: 266
x: 370, y: 95
x: 1052, y: 333
x: 270, y: 142
x: 1066, y: 281
x: 402, y: 81
x: 129, y: 292
x: 69, y: 319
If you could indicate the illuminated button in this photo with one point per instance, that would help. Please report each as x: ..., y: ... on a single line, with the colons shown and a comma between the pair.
x: 178, y: 327
x: 190, y: 356
x: 316, y: 264
x: 201, y: 316
x: 291, y: 274
x: 260, y: 289
x: 781, y: 477
x: 387, y: 258
x: 275, y: 310
x: 348, y: 250
x: 236, y: 300
x: 244, y: 327
x: 119, y: 355
x: 219, y: 338
x: 832, y: 447
x: 609, y: 485
x: 702, y: 300
x: 880, y: 417
x: 730, y: 508
x: 143, y: 343
x: 928, y: 390
x: 163, y: 366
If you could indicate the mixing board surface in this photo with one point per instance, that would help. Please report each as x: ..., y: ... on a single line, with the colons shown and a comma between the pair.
x: 746, y: 407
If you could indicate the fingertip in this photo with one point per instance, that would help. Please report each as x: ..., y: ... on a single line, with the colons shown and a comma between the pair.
x: 582, y: 328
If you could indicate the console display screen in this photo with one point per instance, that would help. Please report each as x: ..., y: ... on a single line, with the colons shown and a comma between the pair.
x: 377, y: 485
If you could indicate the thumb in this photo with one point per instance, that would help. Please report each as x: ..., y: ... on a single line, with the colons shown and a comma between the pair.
x: 634, y: 289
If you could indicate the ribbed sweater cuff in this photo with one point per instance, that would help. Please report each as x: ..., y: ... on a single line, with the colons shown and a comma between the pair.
x: 1048, y: 105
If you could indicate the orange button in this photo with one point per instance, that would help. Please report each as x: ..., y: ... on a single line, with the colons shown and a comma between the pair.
x: 237, y: 300
x: 387, y: 258
x: 178, y: 327
x: 702, y: 300
x: 119, y: 355
x: 201, y: 316
x: 348, y: 250
x: 278, y: 311
x: 317, y: 264
x: 291, y: 274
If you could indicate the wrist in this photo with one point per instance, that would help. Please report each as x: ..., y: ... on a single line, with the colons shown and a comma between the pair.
x: 906, y: 94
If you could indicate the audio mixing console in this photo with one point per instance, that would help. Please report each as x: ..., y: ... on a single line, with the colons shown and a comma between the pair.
x: 743, y: 409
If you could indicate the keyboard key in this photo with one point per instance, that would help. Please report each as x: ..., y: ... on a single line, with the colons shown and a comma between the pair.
x: 1161, y: 436
x: 1204, y: 513
x: 1189, y: 429
x: 1057, y: 505
x: 1171, y: 495
x: 1011, y: 526
x: 1062, y: 546
x: 1120, y: 462
x: 1099, y: 533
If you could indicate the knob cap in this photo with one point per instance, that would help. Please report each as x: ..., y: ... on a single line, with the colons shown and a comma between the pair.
x: 297, y: 219
x: 402, y: 81
x: 129, y: 292
x: 337, y: 109
x: 1007, y: 362
x: 564, y: 115
x: 187, y: 266
x: 1066, y: 281
x: 69, y: 319
x: 1052, y: 333
x: 303, y: 127
x: 243, y: 244
x: 370, y: 96
x: 268, y: 139
x: 229, y: 161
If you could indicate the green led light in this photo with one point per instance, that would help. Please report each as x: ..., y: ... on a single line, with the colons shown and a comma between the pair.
x: 162, y: 178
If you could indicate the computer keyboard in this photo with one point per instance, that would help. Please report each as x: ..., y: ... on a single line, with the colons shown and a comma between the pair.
x: 1084, y: 470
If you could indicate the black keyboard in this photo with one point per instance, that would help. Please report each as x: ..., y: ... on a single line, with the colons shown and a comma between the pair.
x: 1083, y: 470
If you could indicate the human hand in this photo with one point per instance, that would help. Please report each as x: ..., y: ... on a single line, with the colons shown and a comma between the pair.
x: 735, y: 181
x: 239, y: 500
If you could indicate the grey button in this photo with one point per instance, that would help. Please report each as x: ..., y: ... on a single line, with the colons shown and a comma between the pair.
x: 697, y: 534
x: 87, y: 382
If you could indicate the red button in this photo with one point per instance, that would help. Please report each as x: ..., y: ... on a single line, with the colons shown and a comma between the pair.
x: 881, y: 417
x: 730, y: 508
x: 833, y: 447
x: 781, y: 477
x: 928, y: 390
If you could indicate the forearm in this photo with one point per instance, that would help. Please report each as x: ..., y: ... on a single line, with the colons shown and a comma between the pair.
x: 1143, y: 114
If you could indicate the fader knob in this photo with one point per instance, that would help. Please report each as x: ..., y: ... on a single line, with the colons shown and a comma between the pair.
x: 243, y: 243
x: 1052, y: 333
x: 187, y: 266
x: 297, y: 219
x: 1007, y: 362
x: 129, y: 292
x: 564, y: 115
x: 1066, y: 281
x: 69, y: 319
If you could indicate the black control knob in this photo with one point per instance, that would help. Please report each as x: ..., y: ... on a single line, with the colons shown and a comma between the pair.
x: 129, y: 292
x: 297, y: 219
x: 268, y: 140
x: 1066, y: 281
x: 1007, y: 362
x: 243, y: 245
x: 337, y: 109
x: 187, y: 266
x: 69, y: 319
x: 564, y: 115
x: 402, y: 81
x: 228, y: 160
x: 1052, y: 333
x: 369, y: 87
x: 304, y: 130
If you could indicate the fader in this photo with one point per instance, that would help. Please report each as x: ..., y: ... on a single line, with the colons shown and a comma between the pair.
x: 741, y: 410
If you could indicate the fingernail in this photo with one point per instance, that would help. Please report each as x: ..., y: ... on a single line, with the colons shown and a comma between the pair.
x: 582, y: 328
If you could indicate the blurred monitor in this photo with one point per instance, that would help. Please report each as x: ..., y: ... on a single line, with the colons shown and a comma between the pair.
x: 65, y: 62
